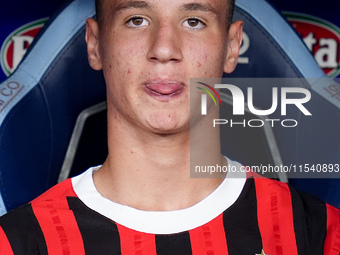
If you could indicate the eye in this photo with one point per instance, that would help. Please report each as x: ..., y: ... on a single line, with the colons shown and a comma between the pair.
x: 137, y: 22
x: 193, y: 23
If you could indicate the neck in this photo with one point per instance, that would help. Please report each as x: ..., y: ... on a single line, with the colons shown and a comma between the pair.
x: 151, y: 171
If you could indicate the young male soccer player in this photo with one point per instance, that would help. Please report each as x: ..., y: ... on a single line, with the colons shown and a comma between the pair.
x: 142, y: 199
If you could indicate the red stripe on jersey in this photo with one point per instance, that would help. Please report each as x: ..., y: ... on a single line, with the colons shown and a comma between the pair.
x: 275, y: 217
x: 332, y: 242
x: 57, y: 221
x: 136, y: 243
x: 61, y: 190
x: 5, y: 247
x: 209, y: 239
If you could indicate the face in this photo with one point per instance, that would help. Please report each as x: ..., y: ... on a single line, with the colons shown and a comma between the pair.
x: 150, y: 49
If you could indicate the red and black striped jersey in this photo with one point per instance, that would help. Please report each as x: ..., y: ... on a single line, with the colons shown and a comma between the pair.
x: 242, y: 216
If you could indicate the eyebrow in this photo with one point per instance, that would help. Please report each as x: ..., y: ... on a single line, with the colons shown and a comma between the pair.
x: 131, y: 5
x: 204, y: 7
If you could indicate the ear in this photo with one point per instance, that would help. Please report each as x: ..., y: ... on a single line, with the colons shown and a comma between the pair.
x: 92, y: 40
x: 234, y: 44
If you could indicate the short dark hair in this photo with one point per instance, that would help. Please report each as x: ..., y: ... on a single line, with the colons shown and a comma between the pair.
x: 230, y: 13
x: 99, y: 11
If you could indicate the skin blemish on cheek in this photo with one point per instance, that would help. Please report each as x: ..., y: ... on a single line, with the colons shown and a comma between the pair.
x: 199, y: 64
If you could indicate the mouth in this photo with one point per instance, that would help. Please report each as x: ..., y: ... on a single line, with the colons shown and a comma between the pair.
x: 164, y: 90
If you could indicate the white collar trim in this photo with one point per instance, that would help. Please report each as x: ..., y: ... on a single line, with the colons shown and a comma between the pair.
x: 162, y: 222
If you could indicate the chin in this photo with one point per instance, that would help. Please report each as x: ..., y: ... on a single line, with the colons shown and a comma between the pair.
x: 167, y: 124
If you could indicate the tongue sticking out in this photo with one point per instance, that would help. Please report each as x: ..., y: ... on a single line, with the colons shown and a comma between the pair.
x: 164, y: 89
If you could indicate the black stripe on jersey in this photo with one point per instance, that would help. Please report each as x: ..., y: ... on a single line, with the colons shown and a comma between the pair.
x: 100, y: 234
x: 173, y: 244
x: 23, y: 231
x: 310, y: 222
x: 241, y: 225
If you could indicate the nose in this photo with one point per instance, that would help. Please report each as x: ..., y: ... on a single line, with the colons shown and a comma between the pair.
x: 165, y: 45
